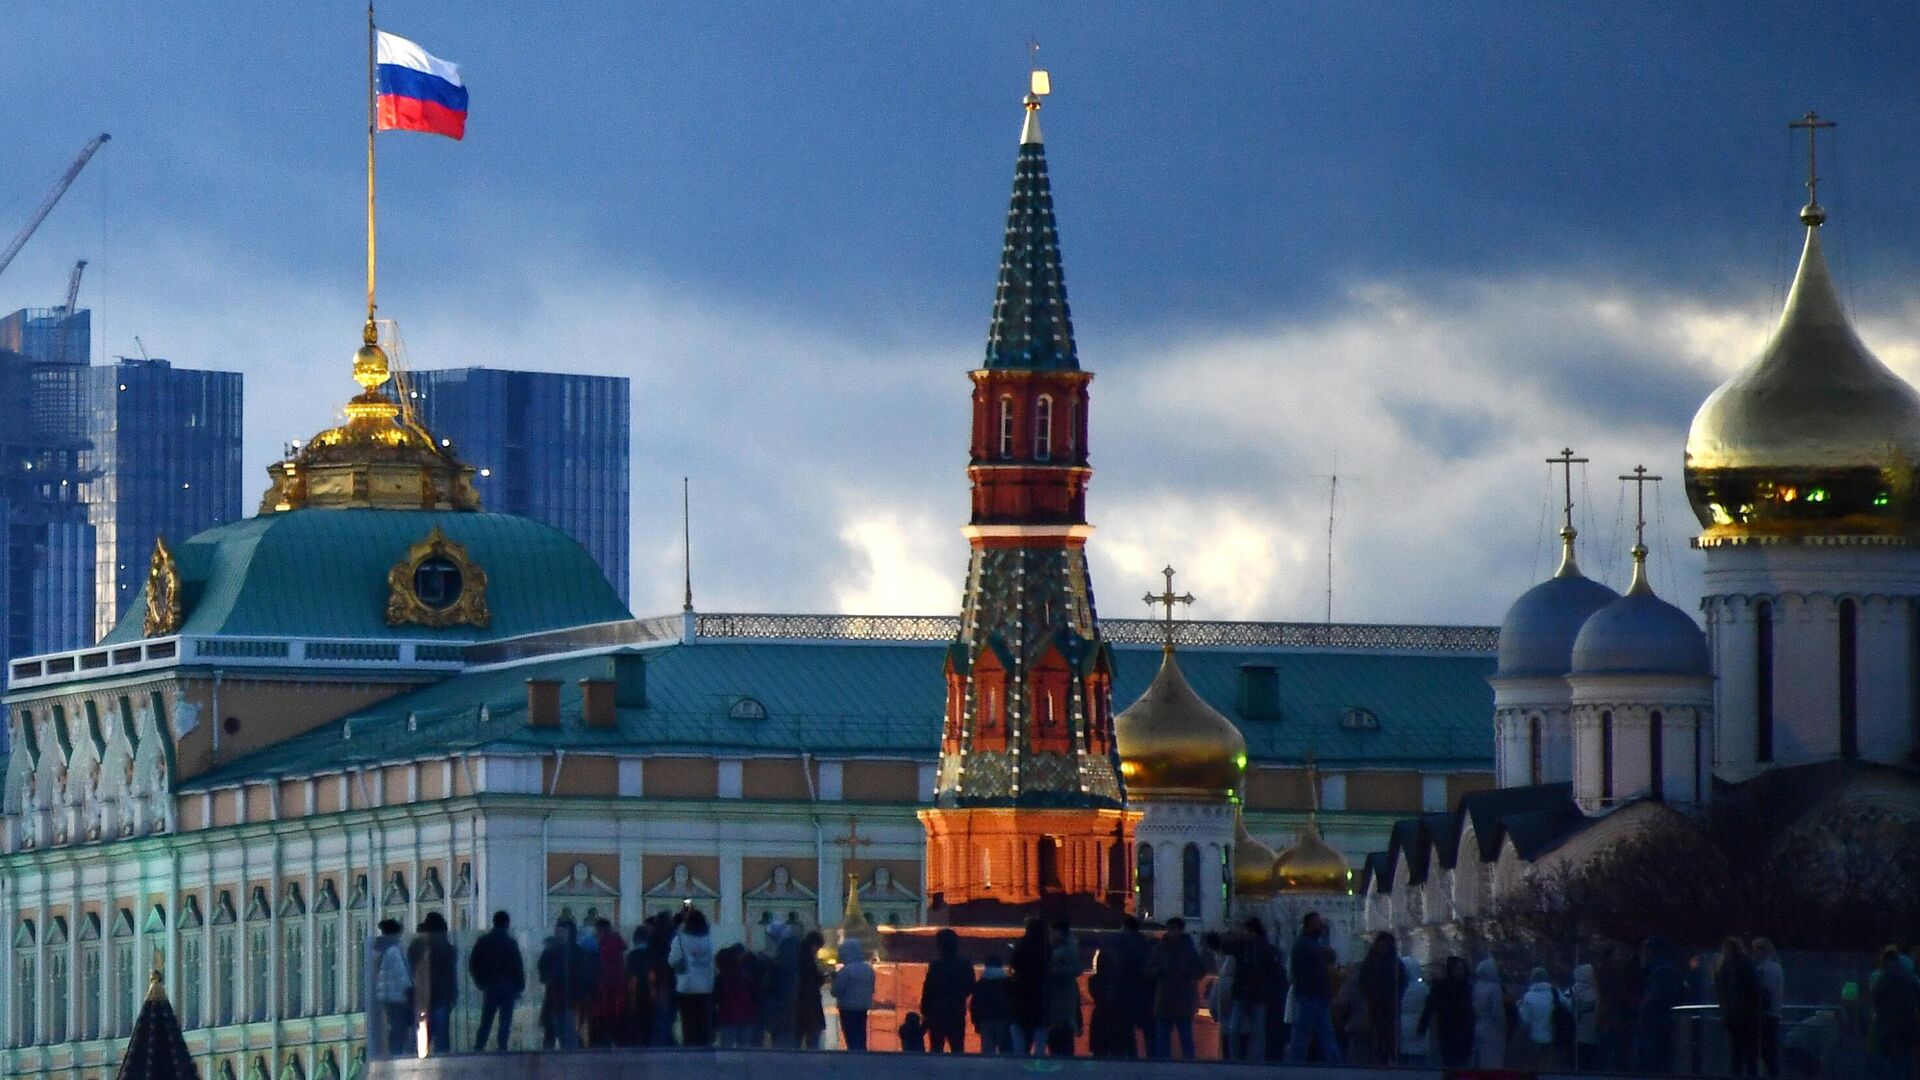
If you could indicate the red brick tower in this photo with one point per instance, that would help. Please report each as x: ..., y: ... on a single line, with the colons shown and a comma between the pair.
x: 1030, y: 814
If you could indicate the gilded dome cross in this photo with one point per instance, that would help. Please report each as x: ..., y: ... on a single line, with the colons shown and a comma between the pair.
x: 1811, y: 124
x: 1167, y: 599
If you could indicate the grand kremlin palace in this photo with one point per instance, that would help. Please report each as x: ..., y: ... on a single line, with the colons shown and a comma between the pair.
x: 376, y: 699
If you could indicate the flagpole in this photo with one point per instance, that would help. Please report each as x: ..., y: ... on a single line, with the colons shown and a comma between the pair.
x: 372, y: 126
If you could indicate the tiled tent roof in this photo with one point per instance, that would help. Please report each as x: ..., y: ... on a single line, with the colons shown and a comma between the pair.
x: 888, y: 699
x: 323, y: 573
x: 1032, y: 328
x: 157, y: 1050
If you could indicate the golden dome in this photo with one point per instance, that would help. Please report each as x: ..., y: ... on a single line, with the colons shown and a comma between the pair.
x: 1815, y: 438
x: 1175, y: 746
x: 1311, y: 866
x: 1252, y: 863
x: 380, y: 458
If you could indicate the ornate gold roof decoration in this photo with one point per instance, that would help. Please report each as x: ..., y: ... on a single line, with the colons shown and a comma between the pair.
x: 437, y: 585
x: 165, y: 611
x: 1252, y: 863
x: 381, y: 458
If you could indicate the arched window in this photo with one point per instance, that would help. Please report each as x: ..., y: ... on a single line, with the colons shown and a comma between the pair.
x: 26, y: 985
x: 990, y: 702
x: 1763, y: 681
x: 1049, y: 861
x: 1006, y: 426
x: 1190, y: 884
x: 1534, y: 769
x: 1051, y: 728
x: 1073, y: 429
x: 1606, y: 758
x: 1656, y: 756
x: 1143, y: 881
x: 1849, y: 675
x: 1043, y: 428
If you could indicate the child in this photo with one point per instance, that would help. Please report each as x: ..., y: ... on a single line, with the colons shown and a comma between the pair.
x: 913, y: 1034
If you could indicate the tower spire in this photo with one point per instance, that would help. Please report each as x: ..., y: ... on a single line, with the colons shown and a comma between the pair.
x: 1640, y: 478
x: 1812, y: 214
x: 1566, y: 461
x: 1032, y: 328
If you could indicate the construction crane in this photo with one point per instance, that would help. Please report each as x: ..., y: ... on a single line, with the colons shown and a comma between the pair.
x: 46, y: 205
x: 66, y: 311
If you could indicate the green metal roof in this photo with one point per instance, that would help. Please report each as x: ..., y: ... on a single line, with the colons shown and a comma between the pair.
x: 848, y: 698
x: 323, y: 574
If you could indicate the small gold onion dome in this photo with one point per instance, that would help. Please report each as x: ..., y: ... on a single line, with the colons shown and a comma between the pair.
x: 1311, y: 865
x: 1252, y: 863
x: 1815, y: 438
x: 1175, y: 746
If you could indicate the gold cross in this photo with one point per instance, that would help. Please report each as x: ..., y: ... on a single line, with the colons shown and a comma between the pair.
x: 1811, y: 124
x: 1640, y: 479
x: 853, y: 841
x: 1567, y: 461
x: 1167, y: 599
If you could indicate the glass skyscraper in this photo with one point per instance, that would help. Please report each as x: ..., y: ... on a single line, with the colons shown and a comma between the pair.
x: 48, y: 557
x: 164, y: 460
x: 548, y: 446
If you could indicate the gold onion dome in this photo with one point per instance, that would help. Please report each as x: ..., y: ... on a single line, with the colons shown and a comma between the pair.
x: 1311, y: 865
x: 380, y: 458
x: 1175, y: 746
x: 1252, y: 863
x: 1816, y: 438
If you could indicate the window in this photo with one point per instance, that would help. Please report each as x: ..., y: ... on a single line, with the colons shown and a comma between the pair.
x: 1143, y: 880
x: 1073, y: 429
x: 1190, y: 881
x: 1534, y: 758
x: 1606, y: 758
x: 747, y: 709
x: 1049, y: 860
x: 1763, y: 681
x: 26, y: 983
x: 259, y: 965
x: 92, y: 977
x: 1259, y: 691
x: 1358, y: 719
x: 1006, y: 426
x: 57, y: 982
x: 226, y: 962
x: 1849, y: 674
x: 193, y: 966
x: 1043, y: 428
x: 326, y: 950
x: 125, y: 1005
x: 293, y: 952
x: 1656, y: 756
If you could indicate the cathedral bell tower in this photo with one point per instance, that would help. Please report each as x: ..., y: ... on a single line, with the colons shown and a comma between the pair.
x: 1030, y: 815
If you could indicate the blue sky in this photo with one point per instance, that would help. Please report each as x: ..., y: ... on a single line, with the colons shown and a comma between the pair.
x: 1439, y: 240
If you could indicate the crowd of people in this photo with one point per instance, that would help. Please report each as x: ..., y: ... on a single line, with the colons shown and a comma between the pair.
x: 668, y: 984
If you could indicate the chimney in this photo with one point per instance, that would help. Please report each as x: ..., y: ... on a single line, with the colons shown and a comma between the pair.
x: 629, y: 680
x: 597, y: 704
x: 543, y: 703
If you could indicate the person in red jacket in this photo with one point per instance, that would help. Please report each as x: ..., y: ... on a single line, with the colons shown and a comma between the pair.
x: 733, y: 1009
x: 609, y: 1008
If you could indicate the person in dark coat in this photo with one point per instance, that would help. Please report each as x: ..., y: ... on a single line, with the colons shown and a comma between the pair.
x: 1449, y: 1013
x: 1027, y: 989
x: 435, y: 984
x: 1312, y: 963
x: 639, y: 980
x: 558, y: 966
x: 1175, y: 968
x: 1107, y: 1033
x: 1259, y: 985
x: 944, y: 993
x: 1130, y: 949
x: 809, y: 1011
x: 1383, y: 978
x: 1894, y: 1023
x: 496, y: 968
x: 992, y: 1007
x: 780, y: 985
x: 1659, y: 995
x: 1736, y: 986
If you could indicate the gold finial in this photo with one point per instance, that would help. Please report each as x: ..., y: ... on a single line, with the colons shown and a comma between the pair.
x: 1641, y: 478
x: 1166, y: 600
x: 1039, y: 85
x: 1812, y: 215
x: 370, y: 368
x: 1566, y: 461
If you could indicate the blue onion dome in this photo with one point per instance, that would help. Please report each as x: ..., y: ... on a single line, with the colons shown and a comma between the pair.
x: 1641, y: 634
x: 1536, y: 637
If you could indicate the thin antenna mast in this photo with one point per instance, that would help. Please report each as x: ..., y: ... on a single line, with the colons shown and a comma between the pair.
x: 1333, y: 494
x: 686, y: 539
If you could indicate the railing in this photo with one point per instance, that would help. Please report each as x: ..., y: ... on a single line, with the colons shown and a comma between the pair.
x: 1363, y: 636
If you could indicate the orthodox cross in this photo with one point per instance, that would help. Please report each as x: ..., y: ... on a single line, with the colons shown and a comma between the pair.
x: 1640, y: 478
x: 853, y: 841
x: 1167, y: 599
x: 1567, y: 461
x: 1811, y: 124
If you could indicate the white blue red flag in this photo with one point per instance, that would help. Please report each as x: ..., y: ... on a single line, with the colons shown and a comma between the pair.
x: 418, y: 91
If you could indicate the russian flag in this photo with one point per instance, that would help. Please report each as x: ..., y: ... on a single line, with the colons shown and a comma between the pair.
x: 418, y: 91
